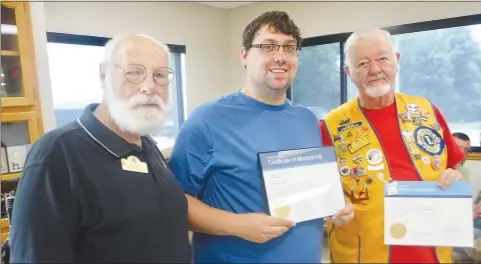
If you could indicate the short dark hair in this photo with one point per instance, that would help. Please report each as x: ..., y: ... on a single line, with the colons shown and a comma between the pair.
x: 461, y: 136
x: 278, y: 20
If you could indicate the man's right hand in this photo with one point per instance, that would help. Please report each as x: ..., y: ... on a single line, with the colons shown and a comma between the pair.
x: 260, y: 228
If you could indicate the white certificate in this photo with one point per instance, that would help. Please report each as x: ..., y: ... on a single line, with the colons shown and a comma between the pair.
x: 302, y: 184
x: 422, y: 214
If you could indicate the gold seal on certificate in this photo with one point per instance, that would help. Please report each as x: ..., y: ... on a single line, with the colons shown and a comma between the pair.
x: 398, y: 231
x: 283, y: 211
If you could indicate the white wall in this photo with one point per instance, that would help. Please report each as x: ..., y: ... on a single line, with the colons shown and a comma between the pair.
x: 323, y: 18
x: 203, y: 29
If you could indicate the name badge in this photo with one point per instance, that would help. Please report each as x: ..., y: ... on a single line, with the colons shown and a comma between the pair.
x: 133, y: 163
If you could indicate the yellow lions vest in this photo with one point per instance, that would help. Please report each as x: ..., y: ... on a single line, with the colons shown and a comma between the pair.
x: 364, y: 171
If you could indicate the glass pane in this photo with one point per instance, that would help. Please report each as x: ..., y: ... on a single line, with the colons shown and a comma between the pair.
x: 170, y: 128
x: 72, y: 92
x: 11, y: 71
x: 9, y: 41
x: 11, y: 84
x: 317, y: 84
x: 8, y: 190
x: 8, y: 29
x: 15, y: 141
x: 15, y: 144
x: 445, y: 66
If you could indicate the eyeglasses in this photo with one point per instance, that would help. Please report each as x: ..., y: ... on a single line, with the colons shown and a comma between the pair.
x: 136, y: 73
x: 292, y: 50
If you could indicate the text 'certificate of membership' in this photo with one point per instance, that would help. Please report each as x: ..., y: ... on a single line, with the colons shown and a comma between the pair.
x: 302, y: 184
x: 419, y: 213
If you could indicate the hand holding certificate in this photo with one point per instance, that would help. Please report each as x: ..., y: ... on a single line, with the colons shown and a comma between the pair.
x: 260, y: 228
x: 302, y: 184
x: 421, y: 213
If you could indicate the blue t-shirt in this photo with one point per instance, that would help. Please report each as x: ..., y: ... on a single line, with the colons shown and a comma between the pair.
x: 215, y: 159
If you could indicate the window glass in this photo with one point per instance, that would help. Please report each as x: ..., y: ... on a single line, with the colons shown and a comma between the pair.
x: 317, y: 84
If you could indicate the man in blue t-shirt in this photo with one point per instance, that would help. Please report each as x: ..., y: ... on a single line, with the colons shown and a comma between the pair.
x: 215, y: 157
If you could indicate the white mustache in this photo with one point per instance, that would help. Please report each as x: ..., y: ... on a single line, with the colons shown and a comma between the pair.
x: 143, y: 99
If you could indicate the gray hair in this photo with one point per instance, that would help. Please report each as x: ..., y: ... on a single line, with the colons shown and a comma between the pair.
x: 113, y: 45
x: 364, y: 34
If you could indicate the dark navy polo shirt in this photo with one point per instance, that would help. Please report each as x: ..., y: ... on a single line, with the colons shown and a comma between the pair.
x: 75, y: 202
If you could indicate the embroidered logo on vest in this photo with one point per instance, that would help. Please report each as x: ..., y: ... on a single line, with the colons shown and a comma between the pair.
x: 429, y: 140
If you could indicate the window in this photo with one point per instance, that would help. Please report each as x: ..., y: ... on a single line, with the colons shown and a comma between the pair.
x: 318, y: 79
x: 74, y: 73
x: 440, y: 60
x: 74, y: 77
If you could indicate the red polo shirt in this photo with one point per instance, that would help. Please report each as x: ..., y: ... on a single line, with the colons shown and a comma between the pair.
x: 385, y: 122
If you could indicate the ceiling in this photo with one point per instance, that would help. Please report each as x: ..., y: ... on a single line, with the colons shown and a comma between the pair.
x: 226, y: 4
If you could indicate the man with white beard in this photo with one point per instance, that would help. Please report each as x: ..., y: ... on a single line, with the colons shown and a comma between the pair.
x: 98, y: 189
x: 382, y: 136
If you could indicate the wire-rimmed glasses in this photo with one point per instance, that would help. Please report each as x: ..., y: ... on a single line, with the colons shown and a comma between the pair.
x: 136, y: 73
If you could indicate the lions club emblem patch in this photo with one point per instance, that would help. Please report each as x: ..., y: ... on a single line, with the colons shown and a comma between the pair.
x: 429, y: 140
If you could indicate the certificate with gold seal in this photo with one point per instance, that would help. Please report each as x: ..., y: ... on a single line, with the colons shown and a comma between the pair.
x: 302, y: 184
x: 419, y: 213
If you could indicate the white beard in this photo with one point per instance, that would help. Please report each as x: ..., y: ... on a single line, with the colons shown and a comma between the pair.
x: 131, y: 117
x: 378, y: 90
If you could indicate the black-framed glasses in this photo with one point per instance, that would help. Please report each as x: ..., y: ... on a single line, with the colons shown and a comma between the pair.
x: 272, y: 48
x: 136, y: 73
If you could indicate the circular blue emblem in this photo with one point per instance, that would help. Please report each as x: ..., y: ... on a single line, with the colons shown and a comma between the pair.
x: 429, y: 140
